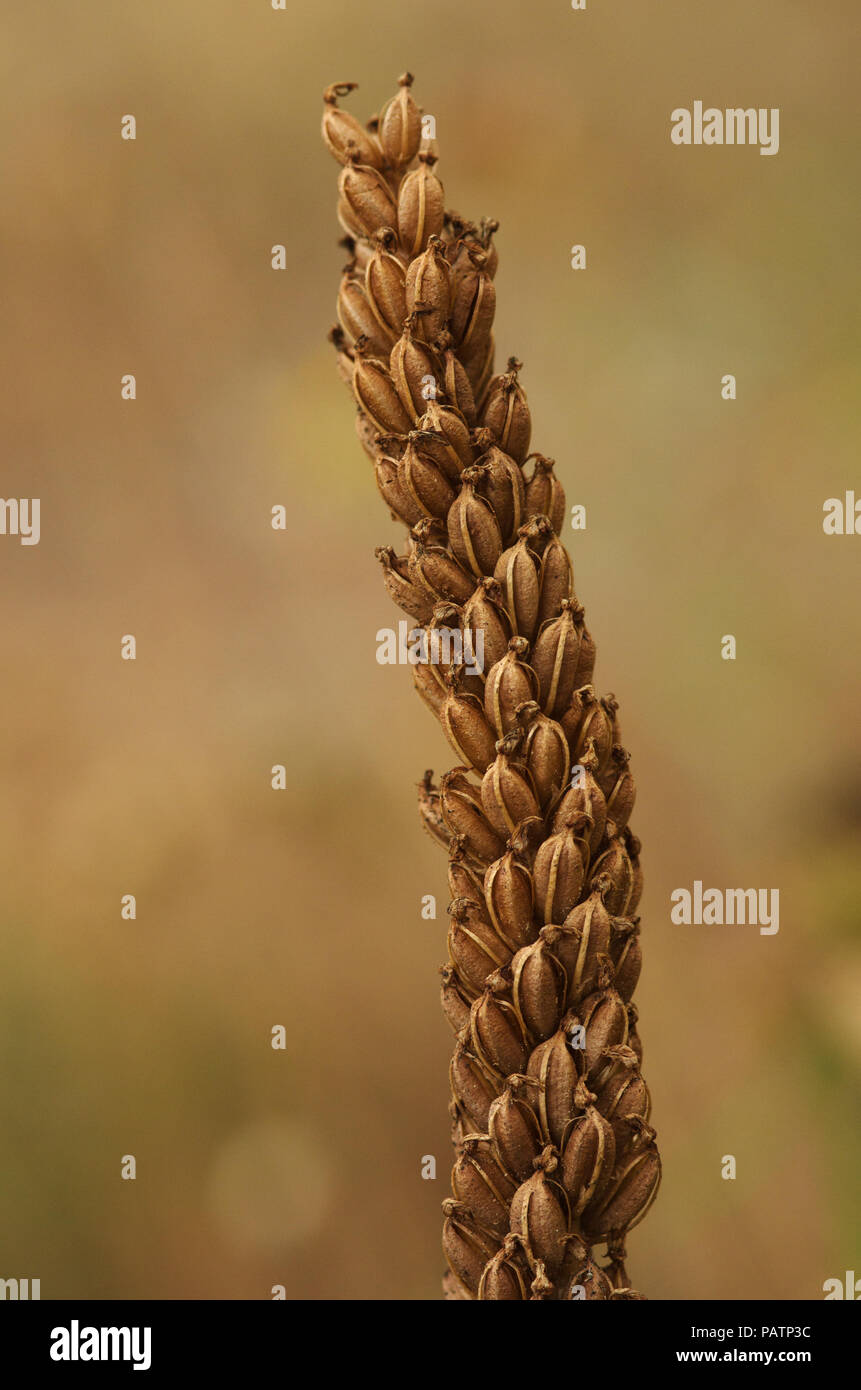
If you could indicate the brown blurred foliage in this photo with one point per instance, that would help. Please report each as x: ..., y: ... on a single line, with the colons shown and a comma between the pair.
x: 258, y: 1167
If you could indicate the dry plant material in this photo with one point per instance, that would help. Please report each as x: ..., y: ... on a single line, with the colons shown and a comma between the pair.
x: 555, y: 1159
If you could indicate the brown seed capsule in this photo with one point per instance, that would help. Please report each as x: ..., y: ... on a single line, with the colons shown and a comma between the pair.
x: 625, y: 1097
x: 366, y: 203
x: 585, y: 720
x: 464, y: 815
x: 484, y: 614
x: 456, y: 383
x: 545, y: 752
x: 517, y: 575
x: 429, y: 688
x: 445, y: 648
x: 627, y: 955
x: 545, y: 495
x: 464, y: 881
x: 376, y: 394
x: 387, y: 472
x: 580, y: 944
x: 430, y: 811
x: 508, y: 894
x: 342, y: 132
x: 420, y: 206
x: 472, y: 1088
x: 586, y: 662
x: 365, y: 429
x: 424, y: 483
x: 584, y: 800
x: 633, y: 847
x: 556, y: 657
x: 514, y: 1133
x: 478, y: 1181
x: 454, y: 999
x: 504, y: 488
x: 506, y: 1276
x: 593, y: 1281
x: 588, y: 1155
x: 507, y: 794
x: 450, y: 435
x: 540, y: 1215
x: 400, y: 126
x: 414, y: 600
x: 473, y: 530
x: 619, y: 788
x: 416, y: 372
x: 506, y: 412
x: 467, y: 1245
x: 479, y: 369
x: 428, y: 291
x: 605, y: 1020
x: 433, y: 568
x: 496, y: 1035
x: 538, y: 991
x: 630, y: 1195
x: 385, y: 286
x: 356, y: 318
x: 557, y: 582
x: 465, y: 727
x: 615, y: 864
x: 553, y: 1066
x: 473, y: 305
x: 509, y: 683
x: 558, y: 873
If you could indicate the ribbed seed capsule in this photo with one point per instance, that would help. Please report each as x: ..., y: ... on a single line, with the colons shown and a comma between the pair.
x: 424, y: 483
x: 605, y: 1020
x: 514, y: 1133
x: 429, y: 687
x: 586, y: 662
x: 517, y: 575
x: 507, y: 794
x: 473, y: 305
x: 467, y: 730
x: 553, y: 1067
x: 630, y: 1196
x: 415, y: 372
x: 506, y: 1277
x: 588, y: 1155
x: 397, y: 498
x: 420, y: 211
x: 451, y: 433
x: 473, y: 530
x: 584, y: 799
x: 455, y: 1003
x: 400, y: 126
x: 478, y: 1181
x: 342, y: 132
x: 366, y: 203
x: 579, y: 945
x: 463, y: 880
x: 479, y: 369
x: 456, y: 384
x: 593, y: 1281
x: 463, y: 814
x: 558, y: 872
x: 413, y: 599
x: 505, y: 489
x: 545, y: 495
x: 484, y: 613
x: 496, y: 1035
x: 540, y: 1215
x: 356, y: 318
x: 375, y: 392
x: 627, y: 955
x: 615, y: 864
x: 430, y: 811
x: 509, y: 683
x: 545, y: 752
x: 556, y: 657
x: 557, y: 581
x: 506, y: 413
x: 537, y: 991
x: 432, y: 567
x: 619, y: 787
x: 385, y: 286
x: 624, y: 1098
x: 447, y: 649
x: 428, y: 292
x: 509, y: 895
x: 471, y: 1087
x: 585, y: 720
x: 466, y: 1245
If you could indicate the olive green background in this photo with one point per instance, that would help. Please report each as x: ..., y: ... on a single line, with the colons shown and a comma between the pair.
x: 256, y: 647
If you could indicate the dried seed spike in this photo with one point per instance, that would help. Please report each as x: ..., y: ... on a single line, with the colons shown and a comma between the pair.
x: 545, y: 495
x: 342, y: 133
x: 510, y: 683
x: 506, y: 412
x: 400, y: 125
x: 420, y: 206
x: 473, y: 530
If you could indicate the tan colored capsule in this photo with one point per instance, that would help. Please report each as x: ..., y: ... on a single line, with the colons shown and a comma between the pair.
x: 448, y: 425
x: 584, y: 800
x: 615, y: 863
x: 428, y: 292
x: 517, y: 575
x: 343, y: 134
x: 508, y: 684
x: 375, y: 392
x: 553, y: 1067
x: 507, y: 793
x: 413, y: 599
x: 538, y: 991
x: 357, y: 320
x: 472, y: 1088
x: 400, y: 125
x: 454, y: 998
x: 429, y: 687
x: 557, y: 582
x: 625, y: 1097
x: 556, y: 658
x: 496, y: 1034
x: 633, y: 1190
x: 540, y: 1215
x: 473, y: 530
x: 504, y: 488
x: 463, y: 814
x: 619, y: 787
x: 430, y: 811
x: 582, y: 946
x: 506, y: 412
x: 366, y: 203
x: 479, y: 1182
x: 424, y: 483
x: 506, y: 1276
x: 420, y: 210
x: 385, y: 286
x: 588, y: 1155
x: 508, y: 895
x: 515, y: 1133
x: 467, y: 1245
x: 473, y: 306
x: 558, y: 872
x: 585, y: 720
x: 456, y: 384
x: 415, y: 371
x: 545, y: 752
x: 627, y: 955
x: 545, y: 495
x: 605, y: 1020
x: 433, y: 568
x: 484, y: 613
x: 388, y: 474
x: 465, y: 727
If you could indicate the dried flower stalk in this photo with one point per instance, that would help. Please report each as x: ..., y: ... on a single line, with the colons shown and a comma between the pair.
x: 554, y: 1153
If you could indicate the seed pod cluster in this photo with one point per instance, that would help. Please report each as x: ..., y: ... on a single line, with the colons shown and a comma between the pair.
x: 554, y: 1153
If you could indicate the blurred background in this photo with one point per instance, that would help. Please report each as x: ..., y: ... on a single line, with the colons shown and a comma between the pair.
x: 254, y: 647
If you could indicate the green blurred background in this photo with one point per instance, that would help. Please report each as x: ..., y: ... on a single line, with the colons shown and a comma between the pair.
x: 152, y: 1037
